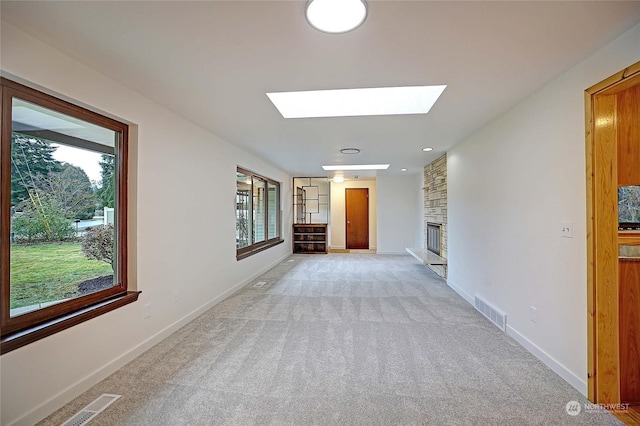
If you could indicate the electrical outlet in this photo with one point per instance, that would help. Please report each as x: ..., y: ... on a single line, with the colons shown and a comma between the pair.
x: 533, y: 314
x: 147, y: 310
x: 566, y: 229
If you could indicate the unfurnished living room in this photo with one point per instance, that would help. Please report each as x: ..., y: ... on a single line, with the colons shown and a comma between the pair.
x: 320, y: 212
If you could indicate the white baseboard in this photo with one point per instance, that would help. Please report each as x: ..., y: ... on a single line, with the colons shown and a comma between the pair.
x: 78, y: 388
x: 536, y: 351
x: 549, y: 361
x: 466, y: 296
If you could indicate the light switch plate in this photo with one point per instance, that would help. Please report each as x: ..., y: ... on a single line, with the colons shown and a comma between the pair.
x: 566, y: 230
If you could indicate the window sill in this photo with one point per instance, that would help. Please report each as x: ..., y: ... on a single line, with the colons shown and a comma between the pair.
x: 258, y: 249
x: 21, y: 338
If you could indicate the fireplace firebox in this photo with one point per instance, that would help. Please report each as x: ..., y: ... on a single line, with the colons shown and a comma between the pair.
x: 434, y: 238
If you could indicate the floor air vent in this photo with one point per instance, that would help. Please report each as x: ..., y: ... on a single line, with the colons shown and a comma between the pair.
x: 85, y: 415
x: 492, y: 314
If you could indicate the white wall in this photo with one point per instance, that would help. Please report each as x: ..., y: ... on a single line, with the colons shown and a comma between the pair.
x: 420, y: 195
x: 185, y: 235
x: 510, y: 186
x: 337, y: 211
x: 399, y: 197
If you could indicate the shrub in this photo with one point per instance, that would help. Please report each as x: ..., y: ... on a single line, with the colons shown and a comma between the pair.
x: 42, y: 221
x: 97, y: 243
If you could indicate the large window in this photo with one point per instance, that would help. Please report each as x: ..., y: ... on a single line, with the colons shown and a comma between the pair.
x: 257, y: 213
x: 63, y: 215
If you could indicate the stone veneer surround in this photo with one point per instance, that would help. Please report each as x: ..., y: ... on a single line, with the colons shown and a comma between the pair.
x: 435, y: 203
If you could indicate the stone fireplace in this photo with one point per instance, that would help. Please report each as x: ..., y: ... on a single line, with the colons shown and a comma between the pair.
x: 435, y: 210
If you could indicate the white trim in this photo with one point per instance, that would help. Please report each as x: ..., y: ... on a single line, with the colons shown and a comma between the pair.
x: 536, y: 351
x: 549, y: 361
x: 466, y: 296
x: 78, y: 388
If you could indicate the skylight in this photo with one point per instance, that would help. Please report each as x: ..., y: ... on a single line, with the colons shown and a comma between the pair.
x: 357, y: 167
x: 356, y: 102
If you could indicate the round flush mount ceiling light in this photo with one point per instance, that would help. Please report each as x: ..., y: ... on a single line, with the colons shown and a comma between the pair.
x: 336, y: 16
x: 350, y: 151
x: 427, y: 149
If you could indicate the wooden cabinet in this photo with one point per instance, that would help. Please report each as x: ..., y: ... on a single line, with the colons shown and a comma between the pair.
x: 310, y: 238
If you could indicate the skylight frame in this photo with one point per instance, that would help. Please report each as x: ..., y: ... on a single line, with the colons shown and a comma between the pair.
x: 371, y: 101
x: 348, y: 167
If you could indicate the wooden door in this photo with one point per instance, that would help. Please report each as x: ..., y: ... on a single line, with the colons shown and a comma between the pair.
x: 628, y: 162
x: 357, y: 217
x: 613, y: 287
x: 629, y: 296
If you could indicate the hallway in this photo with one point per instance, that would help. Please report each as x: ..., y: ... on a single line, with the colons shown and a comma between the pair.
x: 338, y: 339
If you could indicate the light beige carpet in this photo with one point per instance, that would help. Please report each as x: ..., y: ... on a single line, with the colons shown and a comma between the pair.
x: 338, y: 339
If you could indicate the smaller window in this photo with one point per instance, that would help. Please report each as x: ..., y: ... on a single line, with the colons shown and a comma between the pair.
x: 257, y: 213
x: 272, y: 225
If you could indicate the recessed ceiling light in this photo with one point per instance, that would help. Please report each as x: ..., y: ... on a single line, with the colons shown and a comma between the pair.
x: 403, y: 170
x: 356, y: 102
x: 427, y: 149
x: 358, y: 167
x: 336, y: 16
x: 350, y: 151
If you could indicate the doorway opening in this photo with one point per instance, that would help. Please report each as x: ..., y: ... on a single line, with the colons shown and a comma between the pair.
x: 613, y: 253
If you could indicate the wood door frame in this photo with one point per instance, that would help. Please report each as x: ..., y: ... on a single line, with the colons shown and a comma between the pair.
x: 603, y: 358
x: 346, y: 217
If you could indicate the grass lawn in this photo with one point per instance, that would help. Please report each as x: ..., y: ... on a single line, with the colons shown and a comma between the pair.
x: 47, y: 272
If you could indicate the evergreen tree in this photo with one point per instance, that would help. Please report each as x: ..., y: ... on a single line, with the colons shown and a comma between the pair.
x: 107, y: 192
x: 31, y: 161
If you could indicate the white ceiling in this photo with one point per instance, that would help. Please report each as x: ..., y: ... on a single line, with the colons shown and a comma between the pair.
x: 213, y: 61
